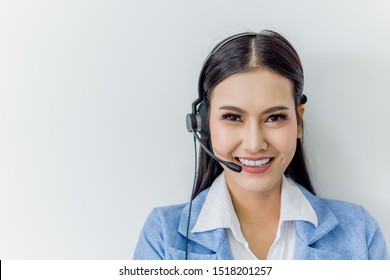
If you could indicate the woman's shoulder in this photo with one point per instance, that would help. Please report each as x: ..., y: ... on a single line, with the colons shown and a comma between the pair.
x: 348, y: 223
x: 347, y: 213
x: 336, y: 205
x: 165, y: 226
x: 169, y: 209
x: 164, y: 216
x: 343, y: 206
x: 170, y: 216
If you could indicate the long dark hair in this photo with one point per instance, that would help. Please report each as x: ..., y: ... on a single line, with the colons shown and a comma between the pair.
x: 266, y: 49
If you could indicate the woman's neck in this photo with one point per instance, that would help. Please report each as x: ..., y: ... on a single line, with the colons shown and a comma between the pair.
x: 257, y: 208
x: 258, y: 213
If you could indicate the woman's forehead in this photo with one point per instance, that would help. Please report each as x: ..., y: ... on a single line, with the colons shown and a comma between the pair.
x: 260, y: 88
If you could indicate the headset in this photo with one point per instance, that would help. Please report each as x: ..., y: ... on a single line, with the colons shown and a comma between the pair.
x: 198, y: 120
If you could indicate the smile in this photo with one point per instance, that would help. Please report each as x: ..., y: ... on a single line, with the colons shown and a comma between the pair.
x: 254, y: 163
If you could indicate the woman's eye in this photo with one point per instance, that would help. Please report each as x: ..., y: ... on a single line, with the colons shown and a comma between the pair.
x: 277, y: 117
x: 231, y: 117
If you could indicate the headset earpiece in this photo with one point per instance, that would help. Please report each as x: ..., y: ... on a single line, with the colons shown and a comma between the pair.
x: 204, y: 121
x: 192, y: 122
x: 303, y: 99
x: 199, y: 122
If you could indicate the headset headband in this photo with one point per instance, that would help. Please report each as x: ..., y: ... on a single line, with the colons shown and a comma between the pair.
x: 201, y: 76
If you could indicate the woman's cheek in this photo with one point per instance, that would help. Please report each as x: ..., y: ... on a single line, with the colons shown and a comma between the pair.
x: 222, y: 137
x: 215, y: 132
x: 285, y: 142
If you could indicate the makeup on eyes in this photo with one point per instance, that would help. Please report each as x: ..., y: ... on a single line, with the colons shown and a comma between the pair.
x: 233, y: 117
x: 278, y: 116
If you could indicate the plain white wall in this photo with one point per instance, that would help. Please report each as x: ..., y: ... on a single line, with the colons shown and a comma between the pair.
x: 93, y: 98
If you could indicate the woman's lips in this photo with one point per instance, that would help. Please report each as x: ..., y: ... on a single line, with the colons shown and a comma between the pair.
x: 255, y: 165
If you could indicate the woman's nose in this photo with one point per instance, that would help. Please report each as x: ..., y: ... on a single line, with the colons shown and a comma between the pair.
x: 254, y: 138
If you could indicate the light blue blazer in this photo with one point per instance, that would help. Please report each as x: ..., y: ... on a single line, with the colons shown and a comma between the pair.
x: 345, y: 231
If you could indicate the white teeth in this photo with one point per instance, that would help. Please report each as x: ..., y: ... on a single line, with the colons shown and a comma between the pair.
x: 254, y: 163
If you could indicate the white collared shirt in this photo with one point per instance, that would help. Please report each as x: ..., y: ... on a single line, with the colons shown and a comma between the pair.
x: 218, y: 212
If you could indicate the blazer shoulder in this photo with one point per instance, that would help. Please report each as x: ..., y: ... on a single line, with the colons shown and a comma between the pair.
x: 340, y: 209
x: 160, y: 223
x: 352, y: 214
x: 344, y: 208
x: 165, y: 227
x: 169, y: 210
x: 172, y: 215
x: 357, y: 225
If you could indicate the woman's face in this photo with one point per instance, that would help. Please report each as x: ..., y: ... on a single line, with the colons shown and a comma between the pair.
x: 253, y: 123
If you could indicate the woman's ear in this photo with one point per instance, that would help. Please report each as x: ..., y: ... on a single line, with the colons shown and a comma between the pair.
x: 301, y: 112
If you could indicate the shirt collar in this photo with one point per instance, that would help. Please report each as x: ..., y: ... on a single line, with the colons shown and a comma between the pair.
x: 294, y: 204
x: 218, y: 210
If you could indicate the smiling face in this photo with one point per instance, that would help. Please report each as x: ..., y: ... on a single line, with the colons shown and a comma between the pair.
x: 253, y: 123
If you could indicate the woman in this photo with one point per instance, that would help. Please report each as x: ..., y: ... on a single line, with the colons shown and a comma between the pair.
x: 253, y: 198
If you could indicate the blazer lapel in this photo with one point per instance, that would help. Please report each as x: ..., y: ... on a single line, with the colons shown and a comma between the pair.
x: 211, y: 244
x: 303, y: 251
x: 308, y: 234
x: 222, y: 253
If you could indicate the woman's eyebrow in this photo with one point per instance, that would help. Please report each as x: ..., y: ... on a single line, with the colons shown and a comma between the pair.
x: 274, y: 109
x: 232, y: 108
x: 266, y: 111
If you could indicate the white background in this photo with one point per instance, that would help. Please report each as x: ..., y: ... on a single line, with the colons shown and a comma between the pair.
x: 93, y: 98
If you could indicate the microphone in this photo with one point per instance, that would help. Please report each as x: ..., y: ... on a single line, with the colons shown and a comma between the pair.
x: 232, y: 166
